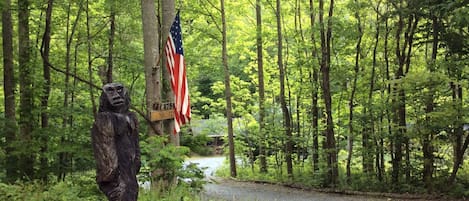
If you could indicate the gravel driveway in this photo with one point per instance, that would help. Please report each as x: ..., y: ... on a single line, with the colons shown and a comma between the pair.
x: 229, y: 190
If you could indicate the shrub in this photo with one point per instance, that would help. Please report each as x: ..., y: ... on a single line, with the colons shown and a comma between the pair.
x: 197, y: 144
x: 77, y: 188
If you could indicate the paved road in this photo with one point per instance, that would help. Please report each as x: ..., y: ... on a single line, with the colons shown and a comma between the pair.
x: 229, y: 190
x: 210, y: 163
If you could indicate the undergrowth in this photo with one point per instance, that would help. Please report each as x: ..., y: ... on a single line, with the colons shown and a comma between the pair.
x: 75, y: 188
x: 84, y: 188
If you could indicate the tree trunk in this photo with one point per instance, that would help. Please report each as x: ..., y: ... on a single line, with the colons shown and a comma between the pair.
x: 314, y: 79
x: 352, y: 96
x: 112, y: 33
x: 286, y: 113
x: 260, y: 75
x: 151, y: 57
x: 64, y: 157
x: 428, y: 157
x: 9, y: 91
x: 403, y: 53
x: 301, y: 143
x: 409, y: 38
x: 460, y: 145
x: 229, y: 115
x: 90, y: 62
x: 397, y: 137
x: 399, y: 113
x: 330, y: 147
x: 26, y: 122
x: 168, y: 9
x: 371, y: 126
x: 458, y: 158
x: 367, y: 162
x: 387, y: 93
x: 45, y: 49
x: 315, y: 121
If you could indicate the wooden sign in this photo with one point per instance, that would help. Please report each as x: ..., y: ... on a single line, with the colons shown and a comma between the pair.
x: 158, y: 115
x: 162, y: 111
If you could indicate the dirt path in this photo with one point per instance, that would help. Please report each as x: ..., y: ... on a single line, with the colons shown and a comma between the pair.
x: 229, y: 190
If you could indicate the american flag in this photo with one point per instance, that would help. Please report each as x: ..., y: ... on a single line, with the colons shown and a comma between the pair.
x: 177, y: 69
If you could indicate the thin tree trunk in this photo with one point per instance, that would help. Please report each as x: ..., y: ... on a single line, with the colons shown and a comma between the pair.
x: 45, y: 49
x: 70, y: 32
x: 62, y: 154
x: 315, y: 121
x: 371, y: 125
x: 90, y: 62
x: 72, y: 138
x: 330, y: 147
x: 9, y: 91
x: 428, y: 157
x: 367, y: 162
x: 285, y: 111
x: 409, y: 38
x: 399, y: 114
x: 260, y: 74
x: 458, y: 158
x: 388, y: 90
x: 300, y: 143
x: 26, y: 122
x: 460, y: 145
x: 229, y: 114
x: 112, y: 33
x: 398, y: 101
x: 314, y: 79
x: 288, y: 100
x: 352, y: 96
x: 403, y: 53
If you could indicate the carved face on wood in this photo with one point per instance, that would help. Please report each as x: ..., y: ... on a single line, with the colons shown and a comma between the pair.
x: 114, y: 98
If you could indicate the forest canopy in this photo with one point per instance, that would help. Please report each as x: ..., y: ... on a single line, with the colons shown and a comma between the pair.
x: 325, y: 93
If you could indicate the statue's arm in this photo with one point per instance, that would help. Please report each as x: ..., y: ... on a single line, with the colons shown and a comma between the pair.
x: 104, y: 147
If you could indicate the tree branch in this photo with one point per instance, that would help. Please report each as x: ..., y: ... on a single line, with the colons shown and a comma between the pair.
x: 141, y: 113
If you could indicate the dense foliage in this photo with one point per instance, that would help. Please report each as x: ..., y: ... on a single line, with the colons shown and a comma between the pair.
x: 398, y: 90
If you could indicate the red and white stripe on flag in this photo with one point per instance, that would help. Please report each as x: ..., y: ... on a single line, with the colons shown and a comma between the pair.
x: 177, y: 69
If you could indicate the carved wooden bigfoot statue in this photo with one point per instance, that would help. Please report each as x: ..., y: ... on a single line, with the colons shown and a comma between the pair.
x: 115, y: 143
